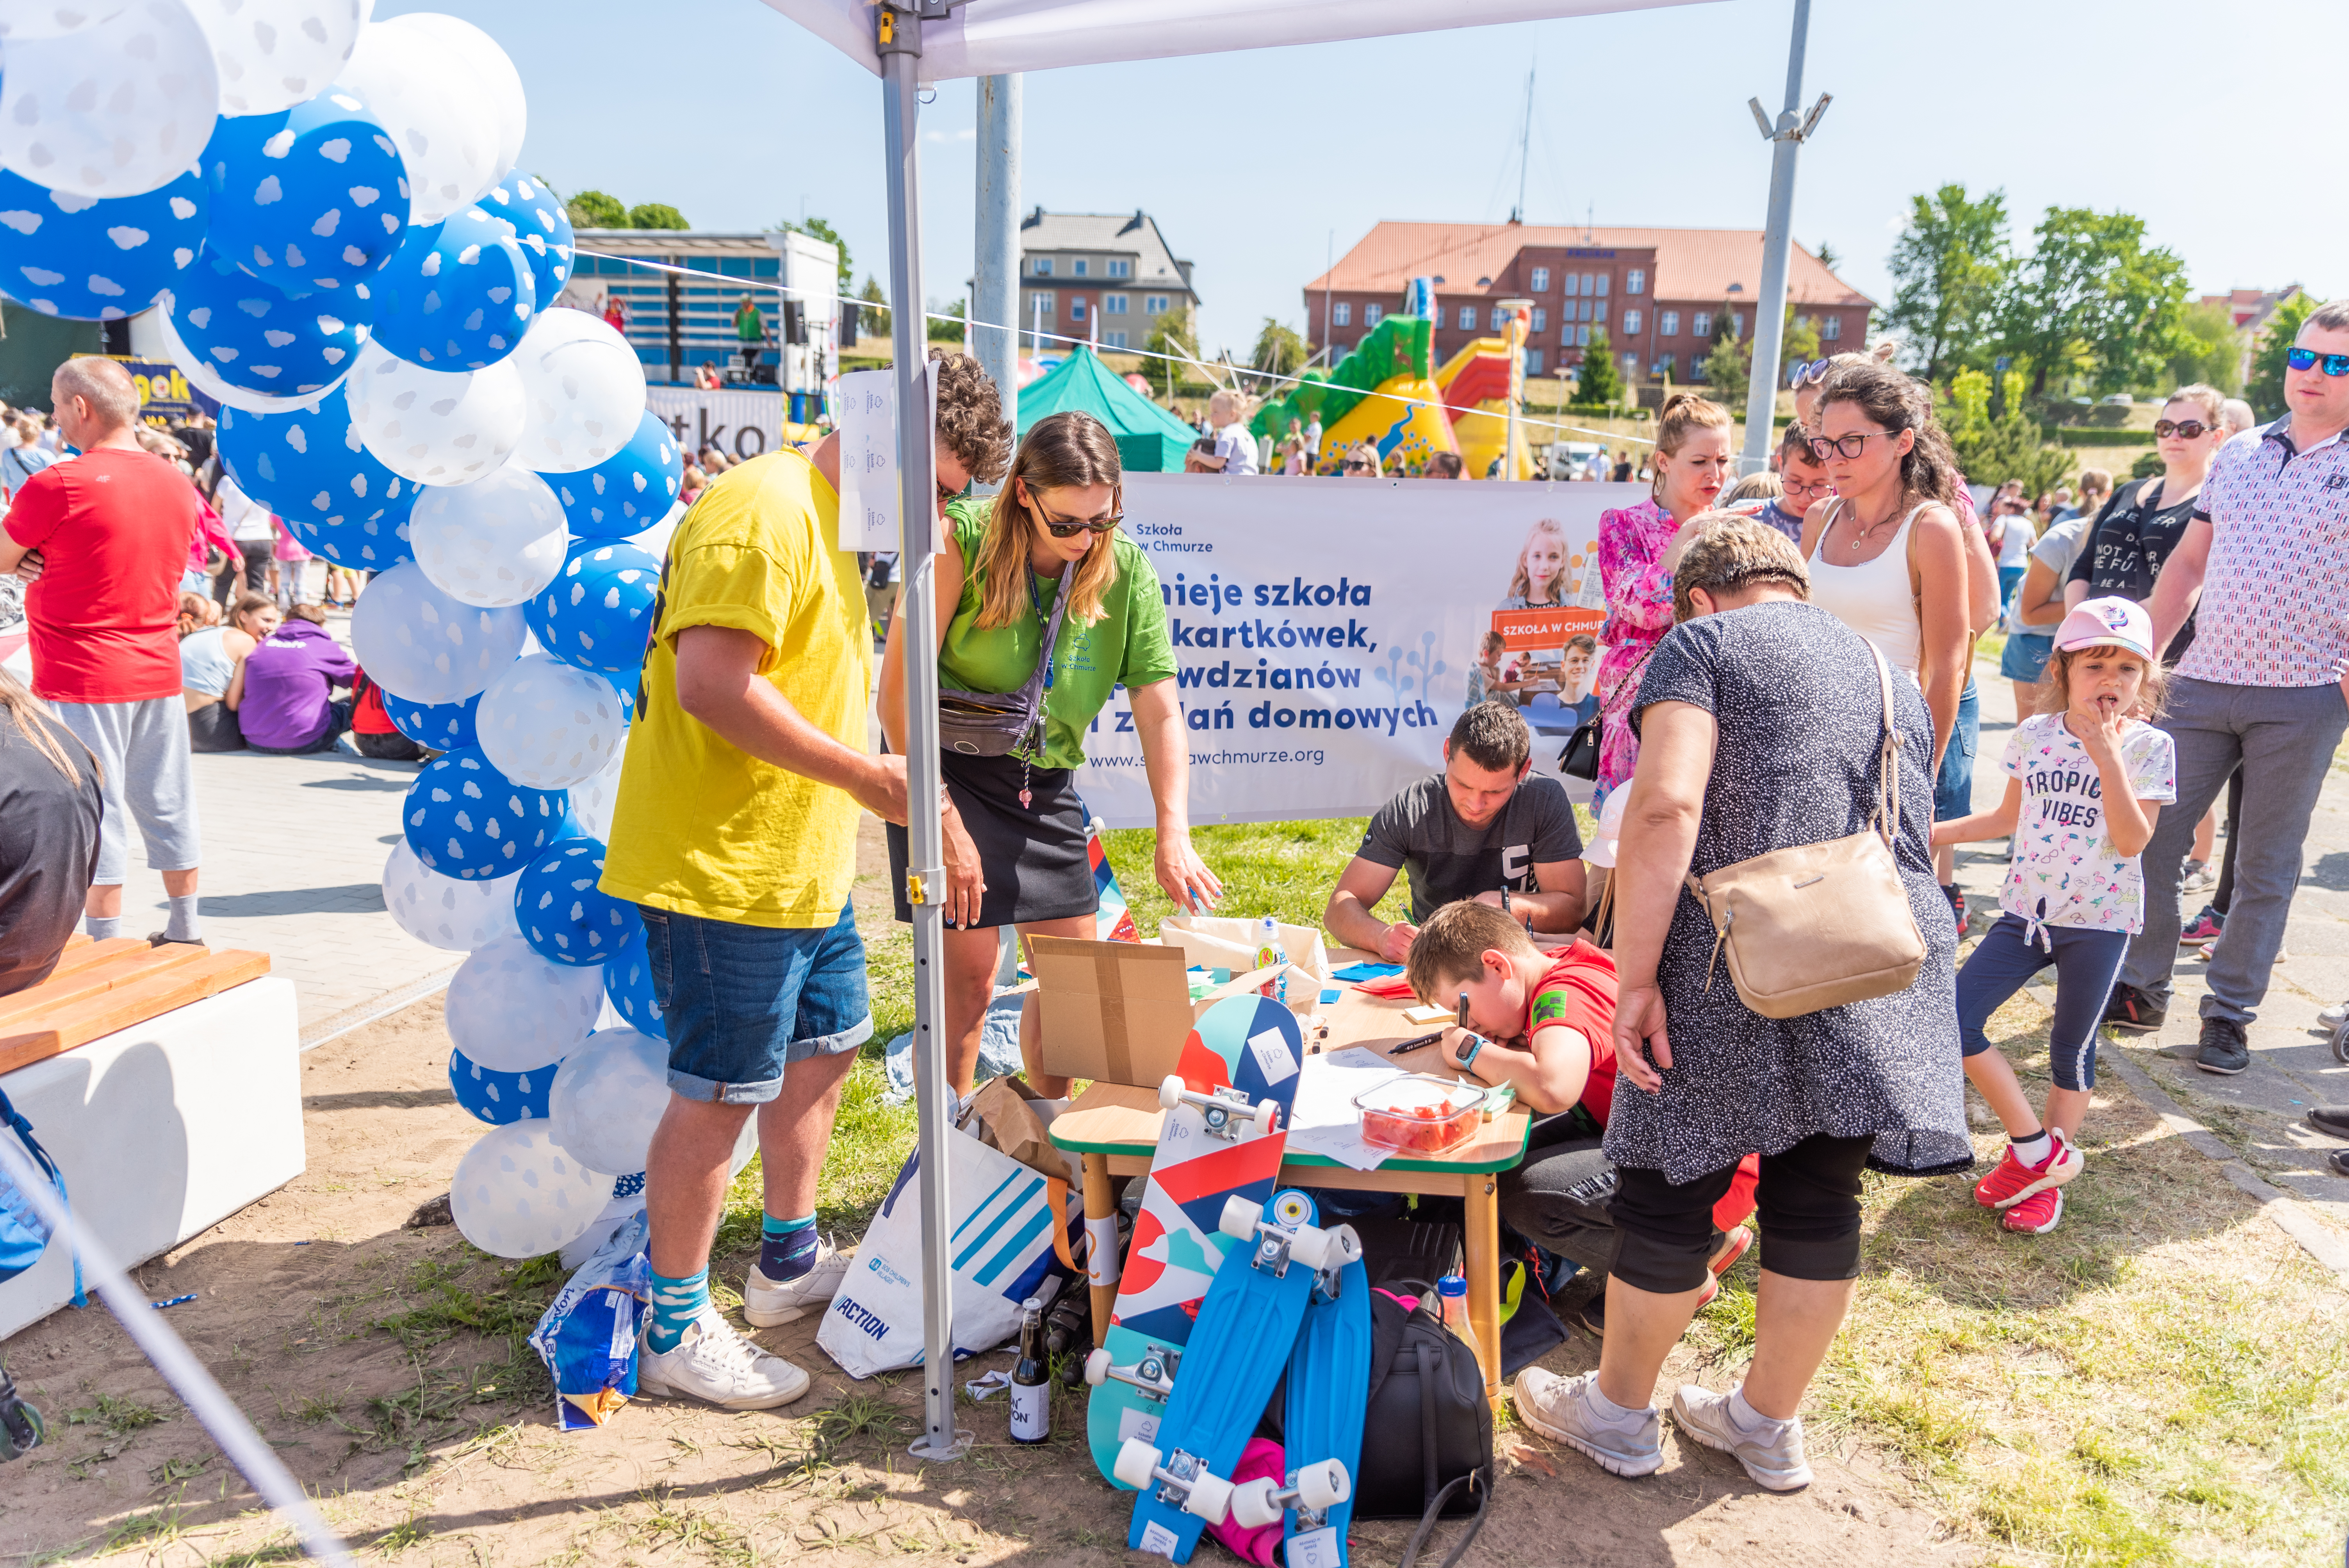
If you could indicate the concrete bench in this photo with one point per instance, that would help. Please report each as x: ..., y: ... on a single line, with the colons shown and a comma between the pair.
x: 165, y: 1082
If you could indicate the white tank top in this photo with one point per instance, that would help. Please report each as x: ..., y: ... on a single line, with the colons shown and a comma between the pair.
x: 1874, y: 598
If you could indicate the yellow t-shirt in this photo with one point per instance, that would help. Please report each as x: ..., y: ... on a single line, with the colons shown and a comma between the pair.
x: 702, y: 827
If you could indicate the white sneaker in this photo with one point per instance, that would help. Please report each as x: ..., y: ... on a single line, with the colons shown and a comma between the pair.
x: 1562, y: 1409
x: 1770, y: 1451
x: 714, y: 1363
x: 2335, y: 1016
x: 767, y: 1304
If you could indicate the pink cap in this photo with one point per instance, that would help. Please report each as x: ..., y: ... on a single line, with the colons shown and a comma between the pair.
x: 2097, y: 622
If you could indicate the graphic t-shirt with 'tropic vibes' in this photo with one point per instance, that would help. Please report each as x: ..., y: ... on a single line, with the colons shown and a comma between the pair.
x: 2066, y: 871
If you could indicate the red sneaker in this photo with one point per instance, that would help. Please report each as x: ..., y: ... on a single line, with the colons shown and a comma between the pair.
x: 2011, y: 1181
x: 2037, y: 1214
x: 1740, y: 1239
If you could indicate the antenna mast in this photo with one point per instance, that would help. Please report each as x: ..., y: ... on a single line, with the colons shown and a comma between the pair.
x: 1525, y: 149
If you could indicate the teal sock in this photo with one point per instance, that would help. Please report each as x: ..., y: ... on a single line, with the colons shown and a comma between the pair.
x: 676, y: 1303
x: 787, y: 1248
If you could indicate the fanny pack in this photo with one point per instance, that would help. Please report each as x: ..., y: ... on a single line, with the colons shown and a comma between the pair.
x: 993, y: 724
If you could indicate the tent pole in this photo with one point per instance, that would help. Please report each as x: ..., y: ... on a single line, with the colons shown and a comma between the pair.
x: 1787, y: 137
x: 901, y: 42
x: 994, y: 272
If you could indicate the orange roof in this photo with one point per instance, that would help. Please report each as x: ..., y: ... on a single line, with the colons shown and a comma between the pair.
x: 1691, y: 263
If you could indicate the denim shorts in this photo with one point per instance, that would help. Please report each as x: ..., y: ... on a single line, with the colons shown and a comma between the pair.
x: 744, y: 1002
x: 2025, y: 659
x: 1954, y: 787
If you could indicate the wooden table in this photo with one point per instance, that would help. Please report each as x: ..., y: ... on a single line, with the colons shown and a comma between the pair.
x: 1115, y: 1128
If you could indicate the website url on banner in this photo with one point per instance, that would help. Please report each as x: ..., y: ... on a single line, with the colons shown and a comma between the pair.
x: 1225, y: 759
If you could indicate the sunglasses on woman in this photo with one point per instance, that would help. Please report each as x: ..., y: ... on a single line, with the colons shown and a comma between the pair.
x: 2301, y: 358
x: 1849, y: 447
x: 1810, y: 373
x: 1354, y: 466
x: 1069, y: 528
x: 2187, y: 429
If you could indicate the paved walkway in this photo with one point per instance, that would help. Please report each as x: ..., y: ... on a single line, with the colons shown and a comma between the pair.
x: 2259, y: 1113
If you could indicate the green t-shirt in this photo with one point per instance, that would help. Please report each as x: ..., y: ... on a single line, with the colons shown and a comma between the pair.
x: 1129, y: 645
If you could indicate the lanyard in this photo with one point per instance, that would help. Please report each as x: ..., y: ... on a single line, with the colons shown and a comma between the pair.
x: 1042, y: 623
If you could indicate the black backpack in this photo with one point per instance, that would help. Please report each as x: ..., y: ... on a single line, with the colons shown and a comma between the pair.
x: 1427, y: 1433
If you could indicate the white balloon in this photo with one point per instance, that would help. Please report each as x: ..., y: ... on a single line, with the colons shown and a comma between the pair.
x: 200, y: 374
x: 53, y: 18
x: 591, y: 798
x: 436, y: 427
x: 117, y: 109
x: 494, y: 542
x: 517, y: 1194
x: 274, y: 54
x: 549, y: 726
x: 442, y: 912
x: 462, y: 47
x: 447, y: 131
x: 418, y: 643
x: 585, y: 388
x: 608, y: 1096
x: 512, y: 1012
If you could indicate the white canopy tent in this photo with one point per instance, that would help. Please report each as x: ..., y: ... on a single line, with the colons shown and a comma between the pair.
x: 906, y: 43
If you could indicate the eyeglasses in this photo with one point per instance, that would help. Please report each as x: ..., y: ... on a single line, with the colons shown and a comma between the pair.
x: 944, y: 493
x: 2187, y: 429
x: 1354, y: 466
x: 2301, y: 358
x: 1847, y: 447
x: 1819, y: 491
x: 1810, y: 373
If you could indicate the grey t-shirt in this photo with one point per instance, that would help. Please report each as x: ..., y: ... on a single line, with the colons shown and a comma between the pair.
x: 1418, y: 832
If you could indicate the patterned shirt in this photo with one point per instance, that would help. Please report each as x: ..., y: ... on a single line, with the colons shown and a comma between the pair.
x: 2276, y: 596
x: 2066, y: 871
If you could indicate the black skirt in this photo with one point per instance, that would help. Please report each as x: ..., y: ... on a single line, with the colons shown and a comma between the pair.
x: 1033, y: 856
x: 214, y: 727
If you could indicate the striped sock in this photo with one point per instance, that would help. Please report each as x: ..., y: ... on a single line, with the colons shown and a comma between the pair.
x: 676, y: 1303
x: 786, y: 1247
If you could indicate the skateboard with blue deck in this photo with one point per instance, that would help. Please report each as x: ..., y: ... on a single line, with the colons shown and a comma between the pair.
x: 1321, y: 1425
x: 1236, y: 1355
x: 1225, y: 1127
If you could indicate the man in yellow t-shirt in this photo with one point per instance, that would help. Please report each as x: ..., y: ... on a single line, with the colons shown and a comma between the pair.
x: 735, y: 834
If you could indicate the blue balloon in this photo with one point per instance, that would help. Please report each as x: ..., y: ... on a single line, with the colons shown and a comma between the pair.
x: 254, y: 337
x: 500, y: 1097
x: 628, y: 982
x: 541, y: 227
x: 456, y: 296
x: 565, y: 916
x: 96, y: 261
x: 628, y: 491
x: 311, y: 197
x: 597, y: 614
x: 308, y: 468
x: 442, y: 726
x: 465, y: 819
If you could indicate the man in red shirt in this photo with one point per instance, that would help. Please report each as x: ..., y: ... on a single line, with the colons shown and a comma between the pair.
x: 104, y: 540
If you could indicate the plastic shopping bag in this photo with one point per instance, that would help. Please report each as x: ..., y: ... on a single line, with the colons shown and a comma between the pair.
x: 588, y: 1334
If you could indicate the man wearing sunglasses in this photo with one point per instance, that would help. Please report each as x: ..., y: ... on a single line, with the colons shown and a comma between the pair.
x: 2264, y: 687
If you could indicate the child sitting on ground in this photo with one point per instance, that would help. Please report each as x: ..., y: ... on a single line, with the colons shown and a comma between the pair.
x: 1545, y: 1022
x: 2085, y: 779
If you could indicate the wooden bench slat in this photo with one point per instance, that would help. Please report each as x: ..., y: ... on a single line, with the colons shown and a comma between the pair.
x: 119, y: 1008
x: 65, y: 988
x: 81, y: 952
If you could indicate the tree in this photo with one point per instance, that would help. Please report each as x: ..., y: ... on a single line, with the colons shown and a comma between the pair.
x: 656, y: 215
x: 2208, y: 350
x: 1279, y: 350
x: 2265, y: 388
x: 1727, y: 371
x: 1948, y: 267
x: 873, y: 317
x: 2093, y: 299
x: 948, y: 327
x: 1602, y: 382
x: 1993, y: 450
x: 817, y: 229
x: 1799, y: 341
x: 1829, y: 258
x: 1174, y: 337
x: 594, y: 210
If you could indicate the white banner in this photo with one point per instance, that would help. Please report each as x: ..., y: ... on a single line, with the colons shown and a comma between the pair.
x: 741, y: 424
x: 867, y: 405
x: 1327, y: 630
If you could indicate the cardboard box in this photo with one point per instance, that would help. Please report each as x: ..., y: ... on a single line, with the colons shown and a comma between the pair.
x: 1120, y: 1011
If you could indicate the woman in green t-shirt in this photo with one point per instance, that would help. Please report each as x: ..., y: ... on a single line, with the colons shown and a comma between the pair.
x: 1052, y: 529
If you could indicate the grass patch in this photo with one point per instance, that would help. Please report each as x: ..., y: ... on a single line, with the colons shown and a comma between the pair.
x: 1282, y: 869
x: 113, y: 1416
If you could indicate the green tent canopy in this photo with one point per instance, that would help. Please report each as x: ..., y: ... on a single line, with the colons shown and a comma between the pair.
x: 1149, y: 439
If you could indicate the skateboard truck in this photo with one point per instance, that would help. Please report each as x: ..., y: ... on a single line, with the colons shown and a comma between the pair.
x: 1284, y: 1236
x: 1228, y: 1113
x: 1153, y: 1374
x: 1313, y: 1491
x: 1184, y: 1482
x: 1345, y: 1247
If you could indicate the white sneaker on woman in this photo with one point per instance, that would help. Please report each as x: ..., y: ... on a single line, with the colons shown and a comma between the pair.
x: 715, y: 1364
x: 1770, y: 1451
x: 1563, y: 1409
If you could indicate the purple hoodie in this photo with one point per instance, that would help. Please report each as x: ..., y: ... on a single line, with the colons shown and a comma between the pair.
x: 286, y: 685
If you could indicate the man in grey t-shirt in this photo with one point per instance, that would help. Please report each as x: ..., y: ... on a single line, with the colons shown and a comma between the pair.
x: 1484, y: 828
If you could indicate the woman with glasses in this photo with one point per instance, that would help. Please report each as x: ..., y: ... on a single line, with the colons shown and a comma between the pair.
x: 1050, y: 535
x: 2145, y: 519
x: 1638, y: 548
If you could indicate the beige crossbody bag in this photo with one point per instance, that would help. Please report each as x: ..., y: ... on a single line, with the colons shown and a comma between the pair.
x: 1819, y: 925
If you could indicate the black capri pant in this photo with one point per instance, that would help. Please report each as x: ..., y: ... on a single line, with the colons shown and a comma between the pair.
x: 1807, y: 1211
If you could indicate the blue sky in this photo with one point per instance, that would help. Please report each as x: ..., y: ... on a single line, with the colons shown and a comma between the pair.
x: 1251, y: 162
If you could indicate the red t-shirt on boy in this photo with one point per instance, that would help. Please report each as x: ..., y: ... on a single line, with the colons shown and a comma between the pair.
x: 112, y: 527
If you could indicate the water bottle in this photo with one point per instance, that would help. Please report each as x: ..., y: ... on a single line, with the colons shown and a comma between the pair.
x: 1031, y: 1391
x: 1452, y: 1305
x: 1267, y: 954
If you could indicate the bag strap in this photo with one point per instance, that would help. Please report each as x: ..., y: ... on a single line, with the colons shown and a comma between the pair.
x: 1428, y: 1486
x: 13, y: 1121
x: 1887, y: 785
x: 1427, y: 1521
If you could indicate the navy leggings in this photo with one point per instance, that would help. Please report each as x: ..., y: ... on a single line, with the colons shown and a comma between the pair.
x: 2087, y: 961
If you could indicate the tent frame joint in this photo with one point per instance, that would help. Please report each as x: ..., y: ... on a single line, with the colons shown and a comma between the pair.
x: 890, y: 38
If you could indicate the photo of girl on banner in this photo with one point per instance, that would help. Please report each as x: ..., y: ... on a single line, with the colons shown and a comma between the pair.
x: 1546, y: 614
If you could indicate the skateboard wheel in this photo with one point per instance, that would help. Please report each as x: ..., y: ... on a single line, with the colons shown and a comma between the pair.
x: 1346, y: 1247
x: 1097, y: 1368
x: 1323, y: 1486
x: 1240, y: 1218
x: 1171, y: 1089
x: 1267, y: 1116
x: 1253, y: 1506
x: 1136, y: 1461
x: 1313, y: 1246
x: 1210, y: 1498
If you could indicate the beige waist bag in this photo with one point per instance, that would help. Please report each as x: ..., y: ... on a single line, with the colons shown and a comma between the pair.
x: 1819, y: 925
